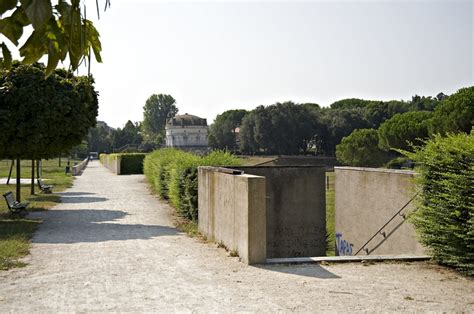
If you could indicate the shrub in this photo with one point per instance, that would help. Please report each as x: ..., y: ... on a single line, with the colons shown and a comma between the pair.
x: 132, y: 163
x: 173, y: 175
x: 445, y: 216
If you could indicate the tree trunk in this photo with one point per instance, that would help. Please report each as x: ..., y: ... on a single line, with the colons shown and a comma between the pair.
x: 59, y: 161
x: 38, y: 168
x: 10, y: 173
x: 32, y: 177
x: 18, y: 180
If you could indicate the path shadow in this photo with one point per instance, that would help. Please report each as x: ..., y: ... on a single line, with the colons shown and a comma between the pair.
x: 83, y: 199
x: 82, y: 225
x: 74, y: 193
x: 307, y: 270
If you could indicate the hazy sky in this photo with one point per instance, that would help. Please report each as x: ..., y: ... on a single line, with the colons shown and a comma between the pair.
x: 215, y: 56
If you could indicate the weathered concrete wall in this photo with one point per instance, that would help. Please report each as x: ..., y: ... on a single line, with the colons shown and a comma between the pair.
x: 77, y: 169
x: 295, y: 210
x: 365, y: 200
x: 113, y: 164
x: 232, y: 212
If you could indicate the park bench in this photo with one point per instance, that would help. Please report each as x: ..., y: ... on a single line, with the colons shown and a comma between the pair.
x: 47, y: 189
x: 14, y: 206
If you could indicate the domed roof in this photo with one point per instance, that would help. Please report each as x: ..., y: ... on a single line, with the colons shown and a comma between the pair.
x: 186, y: 120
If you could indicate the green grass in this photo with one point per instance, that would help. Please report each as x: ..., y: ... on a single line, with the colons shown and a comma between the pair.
x: 330, y: 218
x: 15, y: 234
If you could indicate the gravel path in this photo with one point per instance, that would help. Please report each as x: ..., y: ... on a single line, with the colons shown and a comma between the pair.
x: 111, y: 246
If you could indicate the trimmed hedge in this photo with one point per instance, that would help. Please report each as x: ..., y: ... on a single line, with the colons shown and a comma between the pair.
x: 130, y: 163
x: 445, y: 216
x: 173, y: 175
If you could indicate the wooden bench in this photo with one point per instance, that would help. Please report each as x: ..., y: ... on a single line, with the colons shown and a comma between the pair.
x: 14, y: 206
x: 47, y: 189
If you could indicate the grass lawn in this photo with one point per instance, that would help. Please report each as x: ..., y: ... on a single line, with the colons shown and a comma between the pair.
x: 15, y: 233
x: 330, y: 219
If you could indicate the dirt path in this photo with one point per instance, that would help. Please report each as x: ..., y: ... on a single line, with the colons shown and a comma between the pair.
x: 111, y: 246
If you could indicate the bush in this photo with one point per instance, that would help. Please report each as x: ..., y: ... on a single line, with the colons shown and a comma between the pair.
x: 173, y: 175
x: 132, y: 163
x: 445, y: 216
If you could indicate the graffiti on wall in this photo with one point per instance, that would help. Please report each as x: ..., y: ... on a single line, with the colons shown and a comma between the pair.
x: 343, y: 247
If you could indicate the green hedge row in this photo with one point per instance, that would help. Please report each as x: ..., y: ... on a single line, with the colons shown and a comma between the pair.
x: 173, y: 175
x: 131, y: 163
x: 445, y: 216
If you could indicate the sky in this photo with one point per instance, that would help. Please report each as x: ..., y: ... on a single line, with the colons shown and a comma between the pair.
x: 221, y: 55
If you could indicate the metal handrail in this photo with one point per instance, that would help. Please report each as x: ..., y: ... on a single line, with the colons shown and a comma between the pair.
x: 393, y: 217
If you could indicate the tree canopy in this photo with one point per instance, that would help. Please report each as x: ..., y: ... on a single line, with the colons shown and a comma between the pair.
x: 455, y: 113
x: 402, y: 130
x: 59, y: 31
x: 43, y: 117
x: 360, y: 149
x: 157, y: 109
x: 223, y: 132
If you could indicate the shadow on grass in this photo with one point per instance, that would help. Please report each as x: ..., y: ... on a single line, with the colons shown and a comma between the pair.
x: 306, y: 270
x: 83, y: 225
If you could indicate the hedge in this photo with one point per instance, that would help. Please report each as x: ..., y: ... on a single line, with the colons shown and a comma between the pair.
x: 131, y: 163
x: 173, y: 175
x: 445, y: 216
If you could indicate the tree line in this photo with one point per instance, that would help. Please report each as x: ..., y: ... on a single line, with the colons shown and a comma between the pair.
x: 288, y: 128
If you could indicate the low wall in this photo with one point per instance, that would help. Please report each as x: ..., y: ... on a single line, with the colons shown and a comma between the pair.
x: 113, y: 164
x: 77, y: 169
x: 295, y: 210
x: 232, y: 212
x: 365, y: 200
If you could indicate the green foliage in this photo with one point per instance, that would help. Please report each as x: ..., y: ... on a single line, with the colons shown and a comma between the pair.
x: 157, y: 110
x: 455, y: 113
x: 58, y: 31
x: 403, y: 130
x: 360, y: 149
x: 44, y: 117
x: 445, y: 216
x: 132, y: 163
x: 283, y: 128
x: 128, y: 135
x: 222, y: 133
x: 173, y: 175
x: 350, y: 103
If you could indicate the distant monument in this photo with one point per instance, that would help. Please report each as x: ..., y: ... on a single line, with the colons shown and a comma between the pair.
x: 187, y: 132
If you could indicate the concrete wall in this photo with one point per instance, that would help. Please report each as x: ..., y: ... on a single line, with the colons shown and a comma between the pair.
x: 232, y: 212
x: 295, y: 210
x: 112, y: 164
x: 77, y: 169
x: 365, y: 199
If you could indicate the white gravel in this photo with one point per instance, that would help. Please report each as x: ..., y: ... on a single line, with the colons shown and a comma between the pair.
x: 111, y: 246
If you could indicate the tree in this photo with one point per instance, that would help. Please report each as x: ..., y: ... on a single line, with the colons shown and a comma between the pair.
x: 378, y: 111
x: 341, y: 123
x: 360, y: 149
x: 455, y: 113
x: 157, y: 110
x: 282, y: 128
x: 223, y: 133
x: 41, y: 116
x: 350, y: 103
x: 100, y: 139
x: 59, y: 31
x: 402, y: 130
x: 129, y: 135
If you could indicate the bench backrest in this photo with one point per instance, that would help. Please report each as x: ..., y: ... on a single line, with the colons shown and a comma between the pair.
x: 40, y: 183
x: 10, y: 198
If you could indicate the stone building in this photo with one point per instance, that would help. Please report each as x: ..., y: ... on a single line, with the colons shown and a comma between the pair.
x: 186, y: 132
